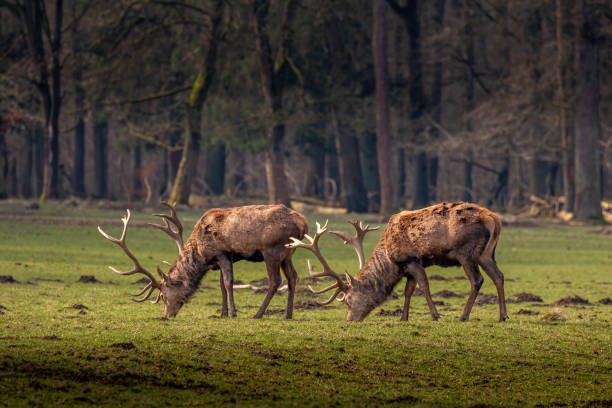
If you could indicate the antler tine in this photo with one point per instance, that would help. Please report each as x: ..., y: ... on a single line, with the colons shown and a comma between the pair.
x: 177, y: 234
x: 314, y: 248
x: 357, y: 240
x: 332, y: 297
x: 316, y: 275
x: 121, y: 242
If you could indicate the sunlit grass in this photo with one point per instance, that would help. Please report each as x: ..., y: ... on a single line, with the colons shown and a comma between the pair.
x: 52, y: 354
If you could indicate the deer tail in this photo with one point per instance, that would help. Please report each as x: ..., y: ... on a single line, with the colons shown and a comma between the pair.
x: 493, y: 224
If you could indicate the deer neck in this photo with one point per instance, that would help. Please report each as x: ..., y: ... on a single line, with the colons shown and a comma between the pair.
x: 188, y: 271
x: 378, y: 276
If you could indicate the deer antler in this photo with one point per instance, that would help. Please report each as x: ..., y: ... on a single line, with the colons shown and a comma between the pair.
x: 357, y: 240
x: 151, y: 286
x: 327, y: 271
x: 177, y: 234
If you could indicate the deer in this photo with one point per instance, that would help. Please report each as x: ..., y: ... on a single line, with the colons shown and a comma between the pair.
x: 446, y: 234
x: 221, y: 237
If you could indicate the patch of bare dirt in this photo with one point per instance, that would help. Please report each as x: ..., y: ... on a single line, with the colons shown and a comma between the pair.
x: 311, y: 279
x: 309, y: 304
x: 438, y: 277
x: 486, y: 299
x: 447, y: 294
x: 141, y: 281
x: 604, y: 301
x: 51, y: 337
x: 7, y: 279
x: 571, y: 300
x: 395, y: 312
x: 88, y: 279
x: 525, y: 297
x: 274, y: 311
x: 527, y: 312
x: 48, y: 280
x: 460, y: 277
x: 124, y: 346
x: 2, y: 309
x: 78, y: 306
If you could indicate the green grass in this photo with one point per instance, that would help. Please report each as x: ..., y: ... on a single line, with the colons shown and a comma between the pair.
x: 53, y: 355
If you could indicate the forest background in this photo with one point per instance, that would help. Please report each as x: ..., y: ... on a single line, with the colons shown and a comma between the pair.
x: 368, y: 105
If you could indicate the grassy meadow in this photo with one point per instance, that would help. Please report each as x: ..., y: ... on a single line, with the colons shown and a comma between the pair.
x: 67, y: 343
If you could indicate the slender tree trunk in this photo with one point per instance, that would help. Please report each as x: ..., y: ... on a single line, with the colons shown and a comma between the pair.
x: 332, y: 174
x: 382, y: 107
x: 421, y: 186
x: 100, y: 136
x: 587, y: 196
x: 215, y: 169
x: 78, y: 166
x: 565, y: 95
x: 181, y: 188
x: 39, y: 158
x: 353, y: 194
x: 3, y: 165
x: 469, y: 100
x: 436, y: 106
x: 137, y: 173
x: 272, y: 73
x: 26, y: 174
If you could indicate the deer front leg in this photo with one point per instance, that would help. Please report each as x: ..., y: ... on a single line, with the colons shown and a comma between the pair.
x: 292, y: 277
x: 274, y: 280
x: 227, y: 285
x: 418, y: 272
x: 410, y: 286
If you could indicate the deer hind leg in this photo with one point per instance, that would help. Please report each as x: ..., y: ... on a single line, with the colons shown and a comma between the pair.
x: 227, y: 286
x: 223, y: 295
x: 418, y: 272
x: 410, y: 286
x: 476, y: 280
x: 491, y: 269
x: 292, y: 277
x: 274, y: 280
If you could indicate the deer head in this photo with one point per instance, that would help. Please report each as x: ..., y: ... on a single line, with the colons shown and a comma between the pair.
x: 171, y: 292
x: 349, y: 292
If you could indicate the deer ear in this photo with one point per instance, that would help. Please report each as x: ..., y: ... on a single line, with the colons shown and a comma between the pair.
x: 349, y: 279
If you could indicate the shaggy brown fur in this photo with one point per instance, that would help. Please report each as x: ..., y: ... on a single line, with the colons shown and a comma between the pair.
x: 446, y: 234
x: 224, y: 236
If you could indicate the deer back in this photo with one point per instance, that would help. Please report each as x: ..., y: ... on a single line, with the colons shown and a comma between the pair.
x: 435, y: 233
x: 247, y: 230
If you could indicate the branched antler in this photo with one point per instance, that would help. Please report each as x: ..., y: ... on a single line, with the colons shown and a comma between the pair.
x: 340, y: 285
x: 176, y: 234
x: 151, y: 286
x: 357, y: 240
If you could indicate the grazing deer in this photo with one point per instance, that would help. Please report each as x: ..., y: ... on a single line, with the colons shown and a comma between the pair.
x: 220, y: 238
x: 447, y: 234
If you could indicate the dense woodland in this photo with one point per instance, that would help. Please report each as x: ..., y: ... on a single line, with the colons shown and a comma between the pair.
x: 371, y: 105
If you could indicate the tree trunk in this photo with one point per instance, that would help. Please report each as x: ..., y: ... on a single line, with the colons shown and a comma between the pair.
x: 565, y: 98
x: 78, y: 166
x: 26, y: 174
x: 436, y: 107
x: 278, y: 189
x: 332, y: 174
x: 421, y: 187
x: 100, y: 136
x: 272, y: 73
x: 353, y: 194
x: 181, y: 188
x: 215, y: 169
x: 382, y: 107
x: 137, y: 173
x: 587, y: 195
x: 3, y: 165
x: 469, y: 100
x: 39, y: 158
